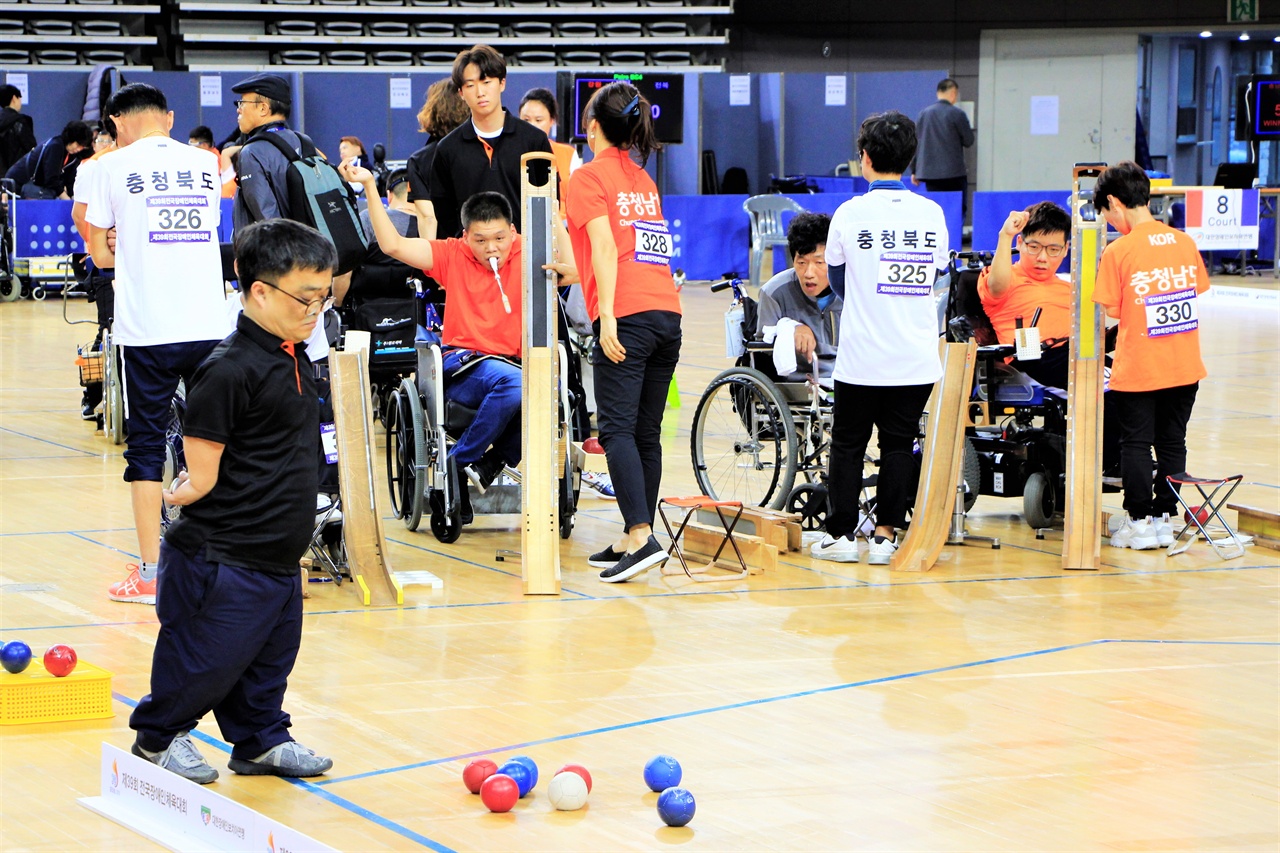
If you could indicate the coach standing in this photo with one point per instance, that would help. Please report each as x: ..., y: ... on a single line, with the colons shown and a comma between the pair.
x: 943, y: 132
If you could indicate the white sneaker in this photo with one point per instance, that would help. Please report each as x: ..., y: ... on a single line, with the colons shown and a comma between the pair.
x: 326, y: 511
x: 842, y: 550
x: 1139, y: 535
x: 881, y: 551
x: 1164, y: 531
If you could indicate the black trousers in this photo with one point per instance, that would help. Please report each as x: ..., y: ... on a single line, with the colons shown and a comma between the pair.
x: 102, y: 293
x: 1052, y: 369
x: 631, y: 398
x: 1146, y: 420
x: 951, y: 185
x: 895, y: 411
x: 228, y: 640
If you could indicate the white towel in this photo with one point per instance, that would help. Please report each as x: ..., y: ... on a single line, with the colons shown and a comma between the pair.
x: 783, y: 338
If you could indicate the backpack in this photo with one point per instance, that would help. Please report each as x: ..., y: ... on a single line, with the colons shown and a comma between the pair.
x: 319, y: 197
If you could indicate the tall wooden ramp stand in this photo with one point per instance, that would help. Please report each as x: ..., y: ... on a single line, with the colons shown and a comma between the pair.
x: 542, y: 457
x: 362, y: 532
x: 1082, y: 531
x: 940, y: 464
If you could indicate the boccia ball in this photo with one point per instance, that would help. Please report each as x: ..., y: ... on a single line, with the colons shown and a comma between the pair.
x: 676, y: 806
x: 499, y: 793
x: 474, y: 774
x: 662, y: 772
x: 567, y: 791
x: 517, y: 771
x: 580, y: 770
x: 60, y: 660
x: 1201, y: 513
x: 530, y: 766
x: 16, y: 656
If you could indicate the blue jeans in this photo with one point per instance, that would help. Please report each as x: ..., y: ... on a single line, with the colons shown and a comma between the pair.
x: 492, y: 388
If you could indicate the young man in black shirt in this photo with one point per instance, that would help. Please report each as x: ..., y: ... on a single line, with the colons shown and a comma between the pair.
x: 229, y: 599
x: 482, y: 154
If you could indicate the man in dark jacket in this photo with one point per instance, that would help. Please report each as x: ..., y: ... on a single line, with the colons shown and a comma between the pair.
x: 16, y: 134
x: 48, y: 169
x: 944, y: 133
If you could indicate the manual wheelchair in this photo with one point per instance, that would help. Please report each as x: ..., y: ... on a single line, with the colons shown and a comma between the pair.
x: 422, y: 426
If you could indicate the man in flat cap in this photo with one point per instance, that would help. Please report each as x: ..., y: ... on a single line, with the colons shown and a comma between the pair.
x: 263, y: 107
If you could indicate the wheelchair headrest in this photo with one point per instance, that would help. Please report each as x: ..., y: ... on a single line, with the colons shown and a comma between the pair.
x: 966, y: 313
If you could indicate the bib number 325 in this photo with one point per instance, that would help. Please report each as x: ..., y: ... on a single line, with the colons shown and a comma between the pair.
x: 905, y: 274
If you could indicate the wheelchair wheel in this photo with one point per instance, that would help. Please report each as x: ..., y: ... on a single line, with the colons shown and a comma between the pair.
x: 112, y: 391
x: 971, y: 470
x: 810, y: 501
x: 1038, y: 501
x: 406, y: 453
x: 445, y: 526
x: 10, y: 287
x: 743, y: 442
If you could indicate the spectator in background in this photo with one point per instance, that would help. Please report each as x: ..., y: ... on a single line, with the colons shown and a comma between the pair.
x: 944, y: 133
x: 351, y: 147
x: 538, y: 107
x: 48, y: 170
x: 484, y: 153
x: 202, y: 137
x: 442, y: 111
x: 104, y: 139
x: 17, y: 136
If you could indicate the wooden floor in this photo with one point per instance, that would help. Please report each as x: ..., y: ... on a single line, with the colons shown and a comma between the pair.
x: 995, y: 703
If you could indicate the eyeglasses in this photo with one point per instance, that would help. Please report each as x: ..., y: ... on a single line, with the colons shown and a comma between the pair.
x: 1053, y: 250
x: 325, y: 304
x: 241, y: 104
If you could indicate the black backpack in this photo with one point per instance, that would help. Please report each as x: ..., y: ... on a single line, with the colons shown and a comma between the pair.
x: 319, y: 197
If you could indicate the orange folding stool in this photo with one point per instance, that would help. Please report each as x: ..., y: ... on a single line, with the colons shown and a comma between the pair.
x: 691, y: 505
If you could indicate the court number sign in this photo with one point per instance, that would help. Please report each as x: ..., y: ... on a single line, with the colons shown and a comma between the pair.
x: 1223, y: 219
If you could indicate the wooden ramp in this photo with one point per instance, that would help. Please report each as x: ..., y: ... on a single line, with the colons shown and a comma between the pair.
x: 940, y: 466
x: 362, y: 532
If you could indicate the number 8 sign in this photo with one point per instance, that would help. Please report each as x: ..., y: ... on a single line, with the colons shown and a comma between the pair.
x: 1223, y: 219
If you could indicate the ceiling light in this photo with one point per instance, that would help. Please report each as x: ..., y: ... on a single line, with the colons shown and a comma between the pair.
x: 1204, y: 34
x: 1244, y: 37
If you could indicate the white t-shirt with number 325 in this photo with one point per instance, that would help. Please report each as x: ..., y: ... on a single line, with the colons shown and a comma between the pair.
x: 163, y: 199
x: 892, y: 243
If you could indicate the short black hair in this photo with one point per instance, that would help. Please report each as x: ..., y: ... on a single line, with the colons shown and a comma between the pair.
x: 276, y: 247
x: 889, y: 138
x: 398, y: 182
x: 807, y: 232
x: 1047, y: 218
x: 78, y: 132
x: 7, y: 93
x: 484, y: 57
x: 946, y: 84
x: 1127, y: 182
x: 542, y: 96
x: 486, y: 207
x: 201, y: 134
x: 136, y: 97
x: 108, y: 127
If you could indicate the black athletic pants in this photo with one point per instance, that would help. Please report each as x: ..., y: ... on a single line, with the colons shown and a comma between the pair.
x: 1148, y: 419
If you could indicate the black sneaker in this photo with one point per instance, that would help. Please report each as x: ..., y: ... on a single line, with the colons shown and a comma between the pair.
x: 606, y: 558
x: 484, y: 471
x: 88, y: 413
x: 650, y: 555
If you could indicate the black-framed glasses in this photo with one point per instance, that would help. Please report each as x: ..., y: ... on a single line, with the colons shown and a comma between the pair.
x: 1053, y: 250
x: 241, y: 103
x: 325, y: 304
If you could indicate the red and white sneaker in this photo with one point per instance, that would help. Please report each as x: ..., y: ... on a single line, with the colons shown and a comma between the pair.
x: 133, y: 589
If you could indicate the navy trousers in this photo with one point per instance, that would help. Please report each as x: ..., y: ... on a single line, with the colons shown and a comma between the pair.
x: 228, y: 641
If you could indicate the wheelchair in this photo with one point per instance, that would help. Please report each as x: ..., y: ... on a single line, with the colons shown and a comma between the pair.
x: 422, y: 427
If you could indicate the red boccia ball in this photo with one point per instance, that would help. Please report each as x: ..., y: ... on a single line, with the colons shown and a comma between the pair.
x: 1201, y: 513
x: 580, y: 770
x: 499, y: 793
x: 60, y: 660
x: 474, y: 774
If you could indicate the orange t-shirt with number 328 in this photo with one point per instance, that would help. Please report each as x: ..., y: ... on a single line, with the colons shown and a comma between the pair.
x: 1150, y: 279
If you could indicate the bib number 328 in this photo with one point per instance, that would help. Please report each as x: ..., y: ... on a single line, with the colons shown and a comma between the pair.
x: 653, y: 243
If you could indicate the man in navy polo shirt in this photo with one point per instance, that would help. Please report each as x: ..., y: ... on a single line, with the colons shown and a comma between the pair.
x: 229, y: 599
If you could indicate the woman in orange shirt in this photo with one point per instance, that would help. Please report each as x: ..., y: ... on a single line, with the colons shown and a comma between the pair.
x: 538, y: 107
x: 624, y: 258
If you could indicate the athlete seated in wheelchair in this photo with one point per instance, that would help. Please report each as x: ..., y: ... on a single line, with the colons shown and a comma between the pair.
x: 1025, y: 454
x: 472, y: 383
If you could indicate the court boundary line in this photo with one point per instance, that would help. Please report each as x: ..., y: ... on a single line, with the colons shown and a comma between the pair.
x: 12, y: 431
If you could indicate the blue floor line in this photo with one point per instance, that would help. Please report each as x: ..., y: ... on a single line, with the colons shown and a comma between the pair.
x: 1201, y: 642
x: 105, y: 545
x: 480, y: 565
x: 312, y: 788
x: 47, y: 441
x: 73, y: 532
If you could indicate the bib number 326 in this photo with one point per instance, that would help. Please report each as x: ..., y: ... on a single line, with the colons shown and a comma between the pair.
x: 653, y: 243
x: 178, y: 219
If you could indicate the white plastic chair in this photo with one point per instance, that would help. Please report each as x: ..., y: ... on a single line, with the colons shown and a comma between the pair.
x: 766, y: 212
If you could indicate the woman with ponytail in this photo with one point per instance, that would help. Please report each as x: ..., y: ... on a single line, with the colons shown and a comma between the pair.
x: 624, y: 251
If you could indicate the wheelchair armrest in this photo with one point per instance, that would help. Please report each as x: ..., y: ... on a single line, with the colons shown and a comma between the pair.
x: 997, y: 351
x: 759, y: 346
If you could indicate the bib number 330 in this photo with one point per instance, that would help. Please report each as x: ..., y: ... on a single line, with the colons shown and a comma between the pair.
x: 653, y: 243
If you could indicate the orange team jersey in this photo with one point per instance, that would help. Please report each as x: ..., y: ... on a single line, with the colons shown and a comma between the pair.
x: 563, y: 154
x: 613, y: 185
x: 1150, y: 279
x: 1021, y: 299
x: 474, y: 317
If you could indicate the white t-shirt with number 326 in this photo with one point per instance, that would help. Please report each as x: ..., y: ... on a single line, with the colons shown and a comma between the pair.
x: 892, y: 243
x: 163, y: 199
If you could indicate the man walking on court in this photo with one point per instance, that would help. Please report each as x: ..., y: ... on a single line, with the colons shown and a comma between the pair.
x: 162, y: 197
x: 230, y: 607
x: 944, y: 132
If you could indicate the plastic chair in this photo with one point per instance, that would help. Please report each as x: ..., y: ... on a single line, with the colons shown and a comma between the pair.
x: 766, y: 227
x: 1227, y: 547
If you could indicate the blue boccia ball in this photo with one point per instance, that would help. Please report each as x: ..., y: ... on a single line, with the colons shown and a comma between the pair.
x: 676, y: 806
x: 662, y: 772
x: 15, y: 656
x: 520, y: 773
x: 530, y: 766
